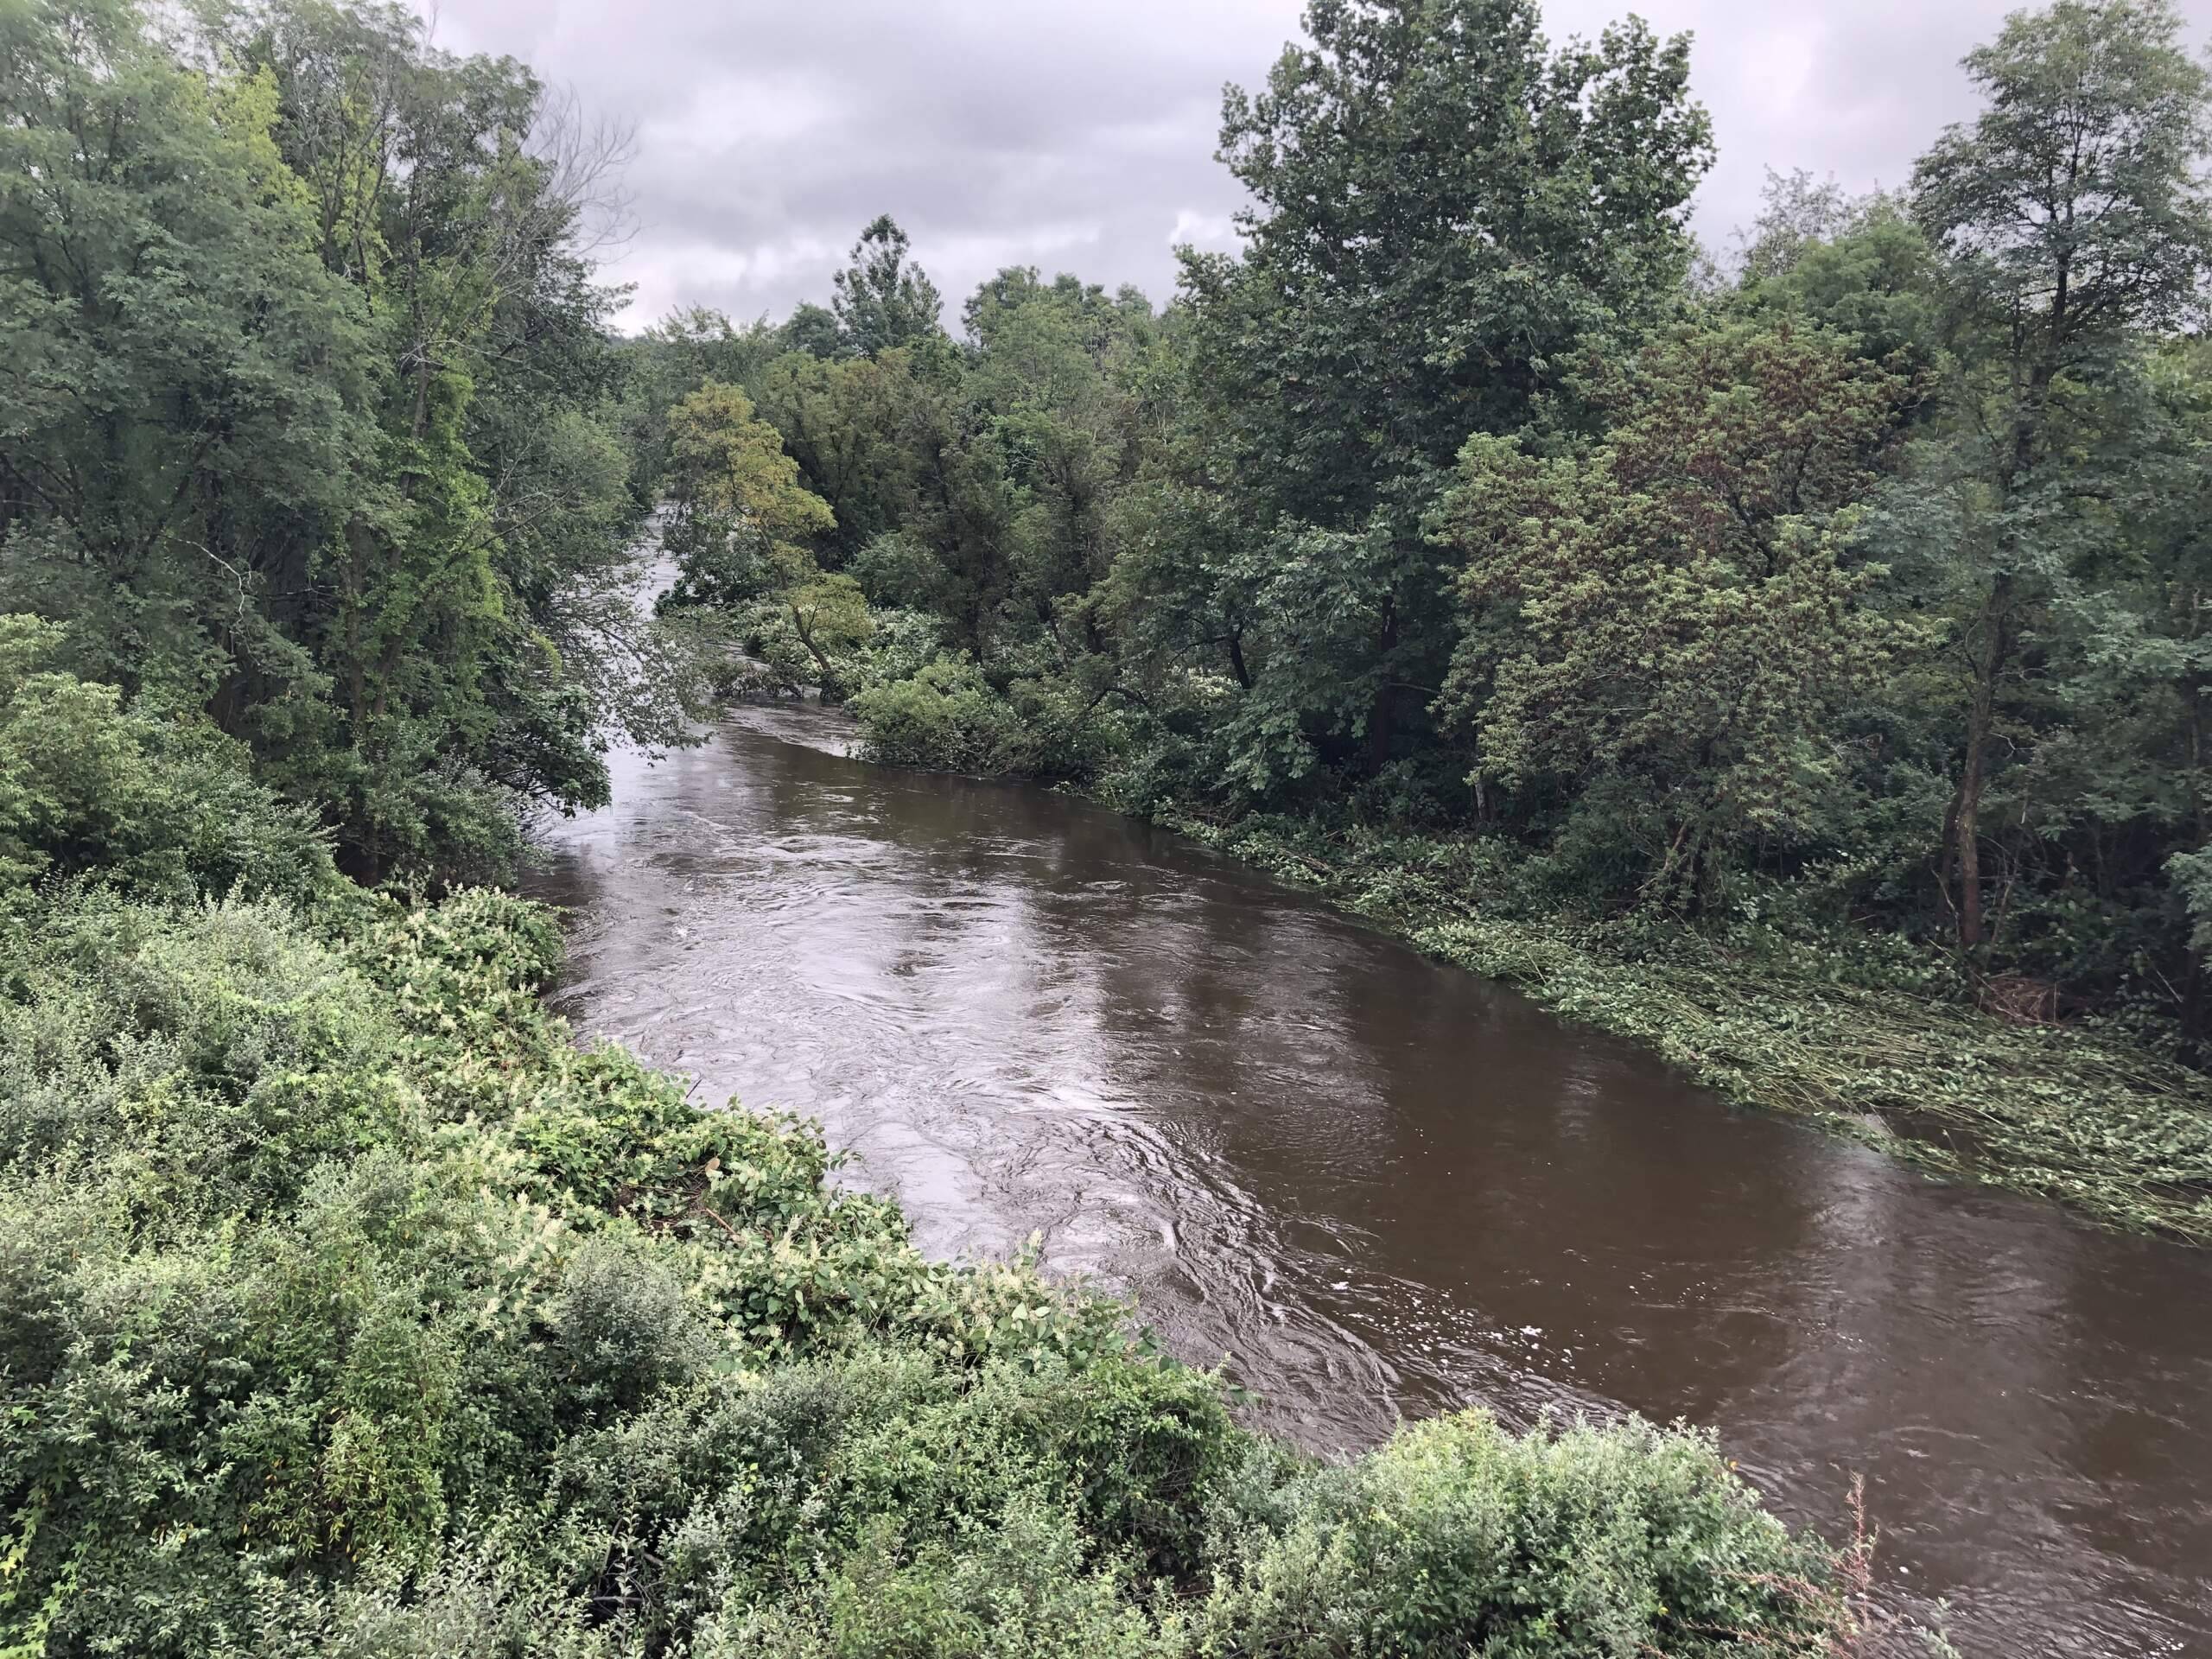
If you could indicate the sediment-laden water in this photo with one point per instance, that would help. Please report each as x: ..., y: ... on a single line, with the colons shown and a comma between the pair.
x: 1387, y: 1188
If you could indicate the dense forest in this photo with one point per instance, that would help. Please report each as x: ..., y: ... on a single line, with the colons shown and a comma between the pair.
x: 1615, y: 618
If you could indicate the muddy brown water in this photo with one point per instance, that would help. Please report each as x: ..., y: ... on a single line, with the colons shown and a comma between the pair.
x: 1382, y: 1188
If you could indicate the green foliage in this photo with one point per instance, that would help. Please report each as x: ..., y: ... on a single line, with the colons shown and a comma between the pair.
x: 1457, y: 1537
x: 350, y: 1307
x: 2076, y: 221
x: 740, y: 517
x: 1549, y: 206
x: 884, y: 301
x: 1680, y: 612
x: 89, y: 786
x: 946, y: 716
x: 313, y: 419
x: 188, y: 386
x: 1380, y: 314
x: 1860, y: 268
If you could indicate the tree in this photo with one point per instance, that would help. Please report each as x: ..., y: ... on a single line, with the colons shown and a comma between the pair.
x: 315, y: 423
x: 188, y: 394
x: 741, y: 518
x: 850, y: 423
x: 668, y: 361
x: 1052, y: 381
x: 2074, y: 213
x: 1669, y: 622
x: 1858, y: 266
x: 1443, y: 209
x: 884, y: 299
x: 813, y: 329
x: 830, y: 619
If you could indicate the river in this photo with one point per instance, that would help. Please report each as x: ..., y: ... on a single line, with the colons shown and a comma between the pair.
x: 1384, y: 1188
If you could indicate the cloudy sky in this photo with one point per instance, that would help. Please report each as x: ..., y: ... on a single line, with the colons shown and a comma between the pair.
x: 1078, y: 134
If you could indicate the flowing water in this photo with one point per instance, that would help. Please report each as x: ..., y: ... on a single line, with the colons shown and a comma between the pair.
x: 1384, y: 1187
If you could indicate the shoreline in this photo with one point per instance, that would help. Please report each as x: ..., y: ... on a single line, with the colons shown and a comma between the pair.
x: 2051, y: 1111
x: 2110, y: 1133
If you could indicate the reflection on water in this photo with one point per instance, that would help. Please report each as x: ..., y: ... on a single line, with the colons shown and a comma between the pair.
x: 1386, y: 1187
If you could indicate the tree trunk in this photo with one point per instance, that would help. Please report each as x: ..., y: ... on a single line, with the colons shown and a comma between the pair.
x: 1981, y: 714
x: 1966, y: 828
x: 1237, y: 662
x: 1382, y: 719
x: 2196, y: 1016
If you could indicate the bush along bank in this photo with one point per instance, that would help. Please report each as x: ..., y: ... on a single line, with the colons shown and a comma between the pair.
x: 1827, y: 1031
x: 350, y: 1307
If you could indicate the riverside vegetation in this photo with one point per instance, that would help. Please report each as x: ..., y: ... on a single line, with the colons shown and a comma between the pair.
x: 346, y: 1305
x: 1800, y: 663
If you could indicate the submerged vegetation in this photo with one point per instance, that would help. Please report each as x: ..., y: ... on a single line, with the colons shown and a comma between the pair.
x: 1814, y: 1024
x: 1799, y: 664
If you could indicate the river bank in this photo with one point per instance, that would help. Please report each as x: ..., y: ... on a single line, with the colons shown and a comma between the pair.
x: 2042, y: 1109
x: 1863, y: 1035
x: 1387, y: 1187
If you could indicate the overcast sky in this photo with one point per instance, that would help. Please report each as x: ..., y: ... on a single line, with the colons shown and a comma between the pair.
x: 1078, y: 134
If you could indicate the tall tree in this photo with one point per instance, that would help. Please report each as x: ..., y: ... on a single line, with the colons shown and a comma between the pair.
x: 883, y: 298
x: 313, y: 414
x: 1443, y: 208
x: 188, y: 397
x: 2074, y: 213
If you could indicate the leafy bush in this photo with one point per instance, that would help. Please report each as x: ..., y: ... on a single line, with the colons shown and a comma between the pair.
x: 1457, y: 1538
x: 162, y: 806
x: 947, y: 718
x: 902, y: 644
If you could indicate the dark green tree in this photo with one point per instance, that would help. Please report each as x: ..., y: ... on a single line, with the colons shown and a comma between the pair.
x: 2073, y: 215
x: 1444, y: 208
x: 883, y: 298
x: 188, y: 401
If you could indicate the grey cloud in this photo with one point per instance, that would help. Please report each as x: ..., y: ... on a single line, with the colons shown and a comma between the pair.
x: 1079, y: 135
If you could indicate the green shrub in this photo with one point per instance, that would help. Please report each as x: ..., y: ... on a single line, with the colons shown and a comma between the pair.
x: 166, y: 807
x: 946, y: 717
x: 903, y: 643
x: 1457, y: 1537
